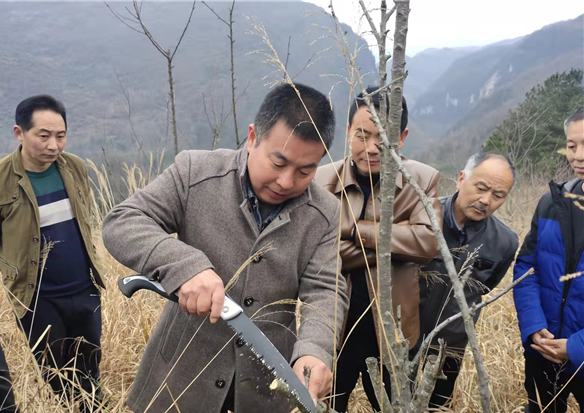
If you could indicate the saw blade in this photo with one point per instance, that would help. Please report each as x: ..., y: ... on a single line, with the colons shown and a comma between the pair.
x: 271, y: 358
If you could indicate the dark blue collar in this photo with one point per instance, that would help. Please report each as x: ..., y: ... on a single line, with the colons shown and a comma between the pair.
x: 469, y: 229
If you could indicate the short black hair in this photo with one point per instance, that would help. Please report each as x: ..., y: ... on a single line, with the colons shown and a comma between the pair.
x: 283, y: 103
x: 28, y: 106
x: 360, y: 102
x: 578, y: 115
x: 481, y: 156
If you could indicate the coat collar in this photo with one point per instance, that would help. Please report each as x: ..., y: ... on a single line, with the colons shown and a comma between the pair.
x: 569, y: 186
x: 18, y: 166
x: 348, y: 178
x: 448, y: 217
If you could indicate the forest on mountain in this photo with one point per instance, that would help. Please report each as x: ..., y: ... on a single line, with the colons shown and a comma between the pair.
x: 533, y: 134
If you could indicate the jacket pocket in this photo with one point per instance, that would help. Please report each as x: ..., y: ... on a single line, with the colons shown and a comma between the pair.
x: 8, y: 201
x: 171, y: 336
x: 483, y: 268
x: 11, y: 193
x: 9, y: 271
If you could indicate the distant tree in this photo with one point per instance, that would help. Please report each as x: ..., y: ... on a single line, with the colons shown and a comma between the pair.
x: 534, y: 131
x: 136, y: 23
x: 233, y: 98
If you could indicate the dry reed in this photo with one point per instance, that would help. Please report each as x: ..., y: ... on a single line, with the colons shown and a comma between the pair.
x: 127, y: 325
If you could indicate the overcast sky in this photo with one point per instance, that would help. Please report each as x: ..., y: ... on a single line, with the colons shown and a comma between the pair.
x: 453, y: 23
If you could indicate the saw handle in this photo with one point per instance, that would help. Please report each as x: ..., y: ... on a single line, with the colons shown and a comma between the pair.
x: 130, y: 285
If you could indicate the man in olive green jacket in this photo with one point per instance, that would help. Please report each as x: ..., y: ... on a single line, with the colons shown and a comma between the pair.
x: 47, y: 258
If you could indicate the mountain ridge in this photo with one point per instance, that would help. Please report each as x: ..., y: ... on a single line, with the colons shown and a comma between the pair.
x: 458, y: 112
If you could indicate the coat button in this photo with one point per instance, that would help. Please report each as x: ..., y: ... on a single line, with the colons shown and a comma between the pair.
x: 33, y: 262
x: 240, y: 342
x: 30, y: 285
x: 257, y: 259
x: 35, y: 239
x: 14, y: 196
x: 248, y: 301
x: 220, y: 383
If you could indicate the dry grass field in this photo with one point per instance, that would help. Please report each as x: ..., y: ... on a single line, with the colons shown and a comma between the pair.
x: 127, y: 325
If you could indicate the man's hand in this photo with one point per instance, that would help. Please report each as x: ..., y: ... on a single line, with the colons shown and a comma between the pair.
x: 560, y: 346
x: 202, y: 294
x: 321, y: 378
x: 541, y: 341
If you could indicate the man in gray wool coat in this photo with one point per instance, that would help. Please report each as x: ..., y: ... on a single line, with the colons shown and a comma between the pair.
x: 224, y: 206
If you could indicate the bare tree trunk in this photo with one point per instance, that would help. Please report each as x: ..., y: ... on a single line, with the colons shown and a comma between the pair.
x: 172, y: 104
x: 233, y: 100
x: 136, y: 24
x: 397, y: 85
x: 231, y: 43
x: 389, y: 168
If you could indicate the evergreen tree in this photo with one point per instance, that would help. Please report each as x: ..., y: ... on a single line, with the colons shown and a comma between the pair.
x: 534, y: 131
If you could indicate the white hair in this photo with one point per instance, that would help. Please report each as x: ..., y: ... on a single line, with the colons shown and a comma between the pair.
x: 574, y: 117
x: 479, y: 157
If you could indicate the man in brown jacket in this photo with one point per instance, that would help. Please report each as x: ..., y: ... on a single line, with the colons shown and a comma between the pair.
x: 224, y: 207
x: 413, y: 243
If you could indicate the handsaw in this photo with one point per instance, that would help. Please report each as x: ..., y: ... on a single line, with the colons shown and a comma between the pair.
x: 253, y: 337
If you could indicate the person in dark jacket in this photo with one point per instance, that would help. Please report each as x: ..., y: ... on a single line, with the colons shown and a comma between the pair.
x: 479, y: 242
x: 550, y: 308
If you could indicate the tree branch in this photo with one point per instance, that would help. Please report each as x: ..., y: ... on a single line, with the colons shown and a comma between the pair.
x: 308, y: 62
x: 472, y: 310
x: 457, y: 286
x: 122, y: 18
x: 185, y: 30
x: 231, y: 42
x: 373, y: 368
x: 138, y: 17
x: 387, y: 86
x: 370, y: 20
x: 216, y: 15
x: 432, y: 372
x: 134, y: 134
x: 287, y: 57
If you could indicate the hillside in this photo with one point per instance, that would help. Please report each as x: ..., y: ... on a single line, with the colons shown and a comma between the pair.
x: 426, y: 67
x: 82, y: 54
x: 459, y: 111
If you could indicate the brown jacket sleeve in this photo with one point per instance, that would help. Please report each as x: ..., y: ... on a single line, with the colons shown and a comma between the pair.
x: 352, y: 255
x: 412, y: 240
